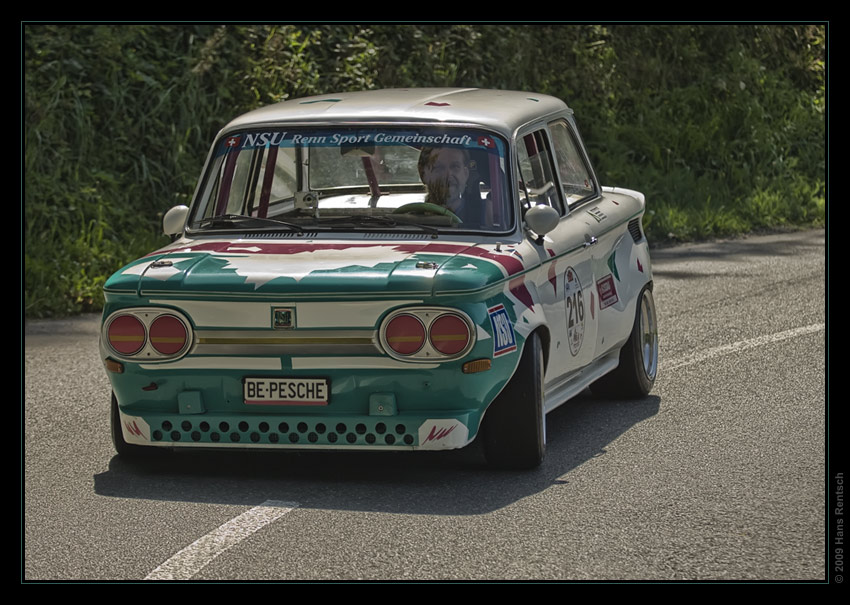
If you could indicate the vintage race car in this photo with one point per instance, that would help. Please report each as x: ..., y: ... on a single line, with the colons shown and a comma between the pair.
x: 396, y: 270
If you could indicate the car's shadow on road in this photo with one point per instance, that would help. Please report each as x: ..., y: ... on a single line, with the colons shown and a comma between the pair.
x: 435, y: 483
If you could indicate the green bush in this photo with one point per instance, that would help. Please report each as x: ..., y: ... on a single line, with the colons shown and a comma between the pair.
x: 722, y: 127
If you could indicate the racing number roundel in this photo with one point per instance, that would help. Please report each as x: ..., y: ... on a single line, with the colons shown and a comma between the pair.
x: 575, y: 310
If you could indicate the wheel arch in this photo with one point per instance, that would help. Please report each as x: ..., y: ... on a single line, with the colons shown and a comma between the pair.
x: 545, y: 342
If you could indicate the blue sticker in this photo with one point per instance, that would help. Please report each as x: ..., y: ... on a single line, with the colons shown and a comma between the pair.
x: 504, y: 340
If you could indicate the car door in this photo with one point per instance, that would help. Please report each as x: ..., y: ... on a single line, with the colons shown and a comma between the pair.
x: 565, y: 278
x: 604, y: 223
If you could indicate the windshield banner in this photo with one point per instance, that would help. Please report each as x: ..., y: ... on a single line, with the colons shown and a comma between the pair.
x: 382, y: 137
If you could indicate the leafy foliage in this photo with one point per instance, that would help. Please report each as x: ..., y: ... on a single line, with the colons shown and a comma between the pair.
x: 722, y: 127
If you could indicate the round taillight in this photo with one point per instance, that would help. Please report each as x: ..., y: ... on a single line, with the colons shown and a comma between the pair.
x: 168, y: 335
x: 449, y: 334
x: 405, y: 334
x: 126, y: 335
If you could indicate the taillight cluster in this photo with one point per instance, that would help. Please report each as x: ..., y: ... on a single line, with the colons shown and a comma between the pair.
x: 405, y: 334
x: 151, y: 334
x: 427, y: 334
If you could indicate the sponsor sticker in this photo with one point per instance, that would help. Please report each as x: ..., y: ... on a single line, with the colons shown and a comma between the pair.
x: 442, y: 434
x: 330, y: 138
x: 504, y: 339
x: 607, y: 291
x: 135, y: 429
x: 574, y: 300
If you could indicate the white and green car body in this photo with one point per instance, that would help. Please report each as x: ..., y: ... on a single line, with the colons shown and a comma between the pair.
x: 317, y: 295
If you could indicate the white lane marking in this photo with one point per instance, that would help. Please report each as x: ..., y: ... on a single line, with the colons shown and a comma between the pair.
x: 742, y: 345
x: 189, y: 561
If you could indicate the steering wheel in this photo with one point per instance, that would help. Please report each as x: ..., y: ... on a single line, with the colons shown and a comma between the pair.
x: 427, y: 208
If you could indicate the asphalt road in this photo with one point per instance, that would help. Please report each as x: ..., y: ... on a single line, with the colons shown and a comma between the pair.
x: 718, y: 475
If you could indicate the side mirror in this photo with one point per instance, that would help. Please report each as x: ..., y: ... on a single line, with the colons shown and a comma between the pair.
x: 542, y: 219
x: 174, y: 220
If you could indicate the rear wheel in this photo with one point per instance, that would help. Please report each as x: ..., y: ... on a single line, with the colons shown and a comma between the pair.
x: 514, y: 429
x: 635, y: 375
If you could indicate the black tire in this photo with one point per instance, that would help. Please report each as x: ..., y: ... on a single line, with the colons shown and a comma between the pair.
x: 638, y: 368
x: 124, y: 449
x: 514, y: 428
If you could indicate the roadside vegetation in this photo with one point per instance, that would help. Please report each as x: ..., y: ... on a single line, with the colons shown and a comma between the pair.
x: 722, y: 127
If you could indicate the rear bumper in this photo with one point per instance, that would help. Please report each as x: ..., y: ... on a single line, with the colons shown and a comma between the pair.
x: 420, y: 431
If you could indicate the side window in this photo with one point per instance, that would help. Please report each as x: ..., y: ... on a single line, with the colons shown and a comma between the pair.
x: 537, y: 175
x: 575, y: 176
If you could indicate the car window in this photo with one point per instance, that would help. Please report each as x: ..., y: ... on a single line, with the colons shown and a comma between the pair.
x: 575, y: 176
x: 537, y: 177
x: 347, y: 179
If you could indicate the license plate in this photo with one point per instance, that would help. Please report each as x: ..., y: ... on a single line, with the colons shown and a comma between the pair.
x: 286, y: 391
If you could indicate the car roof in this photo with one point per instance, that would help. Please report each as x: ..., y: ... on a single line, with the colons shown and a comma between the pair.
x: 500, y: 110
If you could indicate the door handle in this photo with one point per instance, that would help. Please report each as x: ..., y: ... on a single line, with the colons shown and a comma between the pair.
x: 589, y: 240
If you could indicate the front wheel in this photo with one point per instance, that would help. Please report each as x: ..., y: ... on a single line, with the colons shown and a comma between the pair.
x: 514, y: 430
x: 635, y: 375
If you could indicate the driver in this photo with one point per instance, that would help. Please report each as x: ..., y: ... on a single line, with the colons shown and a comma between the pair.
x: 445, y: 171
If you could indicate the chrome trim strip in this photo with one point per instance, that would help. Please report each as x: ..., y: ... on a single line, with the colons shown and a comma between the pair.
x: 570, y: 386
x: 294, y: 342
x: 219, y: 363
x: 358, y: 363
x: 285, y: 337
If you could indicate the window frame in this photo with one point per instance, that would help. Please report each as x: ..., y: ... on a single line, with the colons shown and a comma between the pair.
x: 578, y: 146
x: 520, y: 142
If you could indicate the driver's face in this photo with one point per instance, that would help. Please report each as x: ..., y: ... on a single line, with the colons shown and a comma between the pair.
x: 447, y: 166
